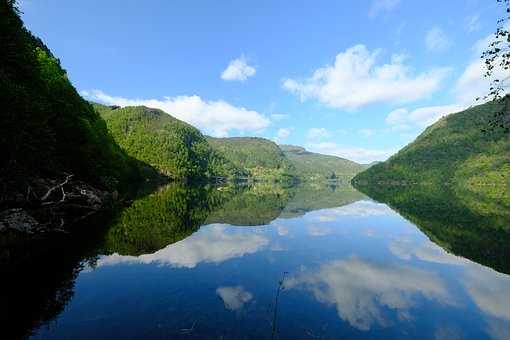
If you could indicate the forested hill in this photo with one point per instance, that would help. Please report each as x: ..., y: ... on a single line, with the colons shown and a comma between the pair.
x: 454, y: 151
x: 48, y: 133
x: 259, y: 157
x: 172, y: 146
x: 315, y: 166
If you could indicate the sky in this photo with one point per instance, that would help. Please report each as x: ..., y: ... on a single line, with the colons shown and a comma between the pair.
x: 355, y: 79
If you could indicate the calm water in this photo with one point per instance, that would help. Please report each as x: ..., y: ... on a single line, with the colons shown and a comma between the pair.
x: 315, y: 262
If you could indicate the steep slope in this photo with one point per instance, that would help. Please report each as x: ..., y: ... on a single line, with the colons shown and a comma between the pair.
x: 58, y: 159
x: 315, y: 166
x: 173, y: 147
x: 454, y: 151
x: 260, y: 157
x: 46, y: 127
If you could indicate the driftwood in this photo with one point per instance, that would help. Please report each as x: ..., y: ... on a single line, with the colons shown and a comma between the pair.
x: 58, y: 186
x: 50, y: 205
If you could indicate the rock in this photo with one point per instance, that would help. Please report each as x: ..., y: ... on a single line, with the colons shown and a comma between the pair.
x: 17, y: 219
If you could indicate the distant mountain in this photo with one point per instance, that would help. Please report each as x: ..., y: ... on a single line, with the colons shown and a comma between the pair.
x: 315, y: 166
x: 175, y: 148
x: 259, y: 157
x: 456, y: 152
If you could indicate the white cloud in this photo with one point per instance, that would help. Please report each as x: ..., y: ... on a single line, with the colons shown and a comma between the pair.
x: 471, y: 84
x: 318, y: 133
x: 357, y: 154
x: 238, y: 69
x: 212, y: 244
x: 379, y: 6
x: 367, y: 132
x: 234, y: 298
x: 278, y: 116
x: 403, y: 119
x: 355, y: 81
x: 217, y: 118
x: 362, y: 290
x: 436, y: 39
x: 283, y: 133
x: 473, y: 23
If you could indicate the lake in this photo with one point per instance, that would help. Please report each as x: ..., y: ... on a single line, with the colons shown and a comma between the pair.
x: 269, y: 262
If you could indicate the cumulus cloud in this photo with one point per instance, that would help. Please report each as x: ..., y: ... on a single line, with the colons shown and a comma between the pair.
x: 217, y: 118
x: 357, y: 154
x: 318, y: 133
x: 283, y: 133
x: 403, y: 119
x: 379, y: 6
x: 363, y: 290
x: 234, y: 298
x: 356, y: 80
x: 239, y: 70
x: 278, y: 116
x: 470, y: 85
x: 212, y: 244
x: 436, y: 39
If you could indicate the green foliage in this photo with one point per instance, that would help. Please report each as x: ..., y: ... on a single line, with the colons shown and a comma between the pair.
x: 311, y: 166
x: 258, y: 157
x: 454, y: 151
x: 46, y: 126
x: 173, y: 147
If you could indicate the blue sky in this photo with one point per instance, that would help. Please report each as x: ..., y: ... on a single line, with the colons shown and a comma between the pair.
x: 357, y: 79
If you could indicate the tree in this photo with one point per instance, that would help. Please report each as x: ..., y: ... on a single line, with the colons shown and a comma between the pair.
x: 497, y: 64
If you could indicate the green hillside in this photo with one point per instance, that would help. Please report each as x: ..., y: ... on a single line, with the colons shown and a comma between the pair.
x: 259, y: 157
x: 47, y: 130
x: 173, y: 147
x: 314, y: 166
x: 454, y: 151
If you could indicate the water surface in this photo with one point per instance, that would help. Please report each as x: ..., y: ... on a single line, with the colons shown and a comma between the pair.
x: 267, y: 262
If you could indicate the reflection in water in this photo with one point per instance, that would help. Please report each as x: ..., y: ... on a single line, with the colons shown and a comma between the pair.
x: 361, y: 290
x: 234, y: 298
x: 183, y: 267
x: 212, y: 244
x: 359, y: 209
x: 490, y: 292
x: 406, y: 249
x: 476, y: 229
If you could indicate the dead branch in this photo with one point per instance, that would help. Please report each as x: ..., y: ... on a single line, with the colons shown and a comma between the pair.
x: 50, y: 191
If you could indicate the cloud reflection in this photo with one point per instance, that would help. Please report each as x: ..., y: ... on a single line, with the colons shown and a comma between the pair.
x: 213, y: 244
x: 359, y: 208
x: 361, y: 290
x: 234, y: 298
